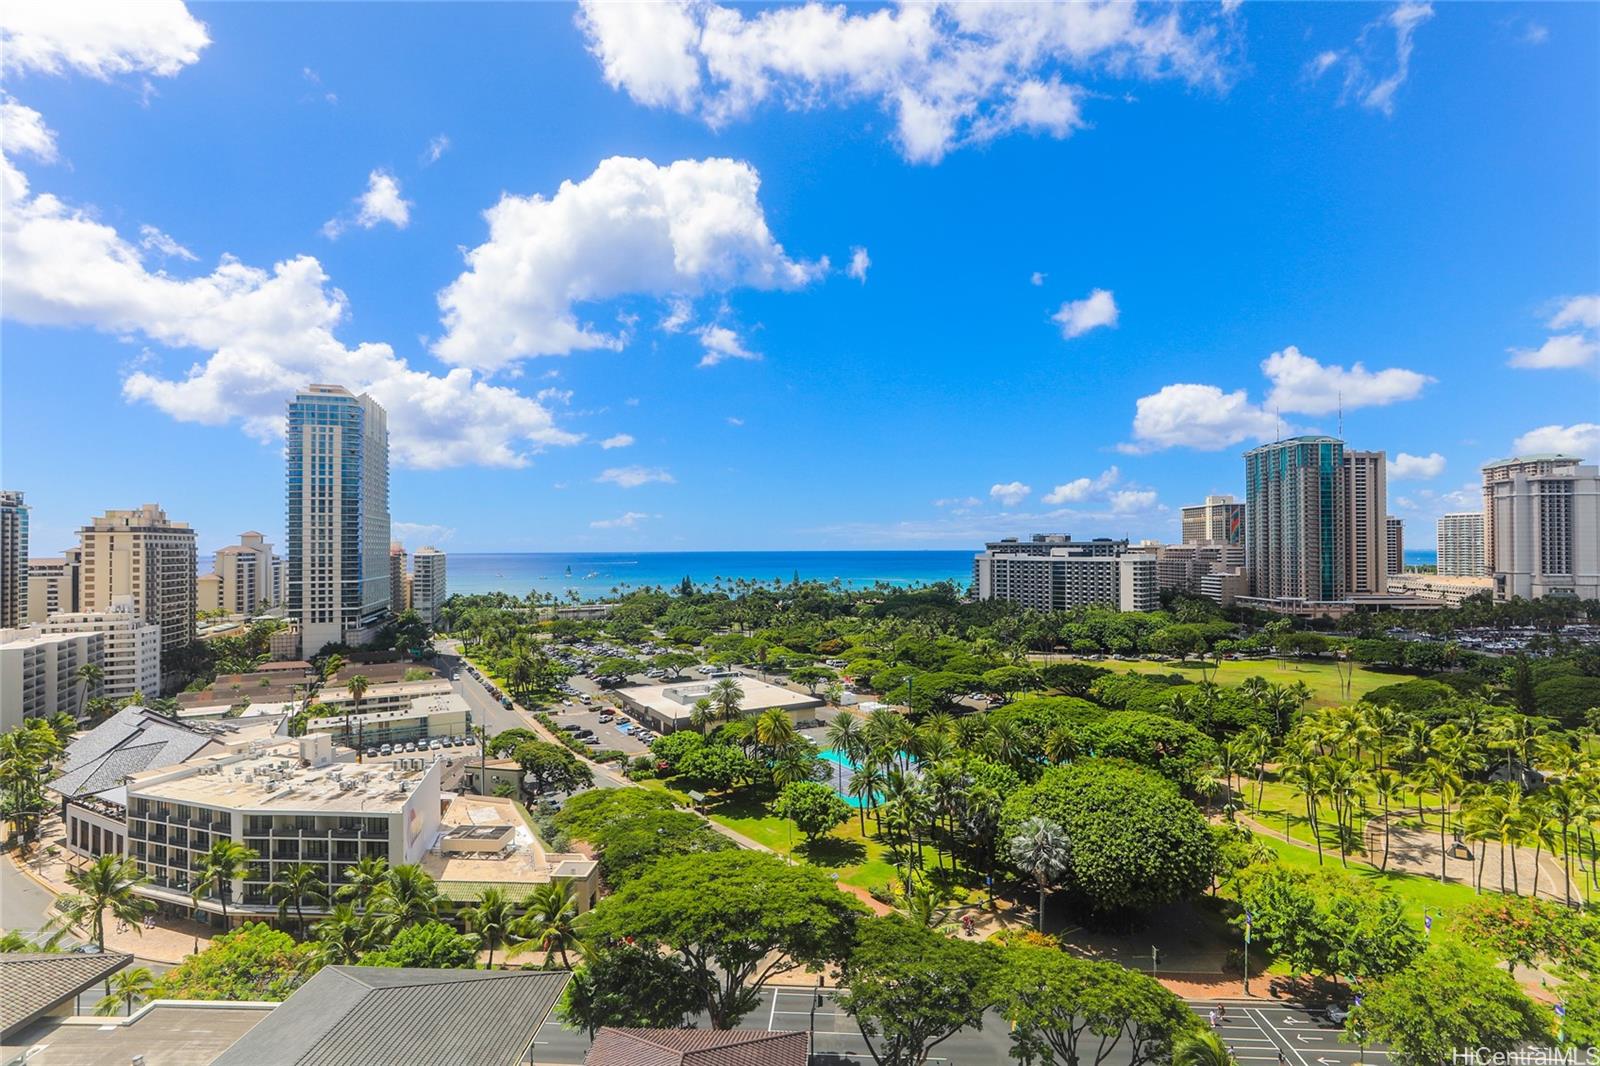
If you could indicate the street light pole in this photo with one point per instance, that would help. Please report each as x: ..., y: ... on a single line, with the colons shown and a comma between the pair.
x: 1247, y: 921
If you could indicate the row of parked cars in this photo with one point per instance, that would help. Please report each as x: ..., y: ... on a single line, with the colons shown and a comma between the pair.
x: 425, y: 744
x: 494, y: 690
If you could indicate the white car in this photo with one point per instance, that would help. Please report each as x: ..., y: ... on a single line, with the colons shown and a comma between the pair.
x: 1336, y: 1014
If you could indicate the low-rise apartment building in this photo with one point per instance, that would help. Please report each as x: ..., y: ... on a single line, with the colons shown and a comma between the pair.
x: 130, y: 649
x: 39, y: 673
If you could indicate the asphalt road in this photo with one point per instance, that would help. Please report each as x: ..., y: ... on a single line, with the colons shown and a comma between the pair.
x: 1258, y: 1034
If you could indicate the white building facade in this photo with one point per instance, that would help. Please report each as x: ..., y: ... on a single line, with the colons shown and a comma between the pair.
x: 130, y: 651
x: 1459, y: 539
x: 1547, y: 534
x: 39, y: 673
x: 429, y: 588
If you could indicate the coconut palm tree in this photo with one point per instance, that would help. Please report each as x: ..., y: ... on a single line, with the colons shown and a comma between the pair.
x: 1442, y: 779
x: 1041, y: 850
x: 775, y: 730
x: 89, y: 675
x: 363, y: 880
x: 493, y: 918
x: 726, y: 696
x: 108, y: 883
x: 844, y: 737
x: 1564, y: 804
x: 1060, y: 744
x: 342, y: 936
x: 406, y: 897
x: 225, y: 863
x: 125, y: 989
x: 294, y: 887
x: 867, y: 785
x: 548, y: 924
x: 1202, y: 1049
x: 358, y: 686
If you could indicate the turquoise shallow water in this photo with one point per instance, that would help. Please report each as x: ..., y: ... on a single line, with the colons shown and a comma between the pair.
x: 593, y: 575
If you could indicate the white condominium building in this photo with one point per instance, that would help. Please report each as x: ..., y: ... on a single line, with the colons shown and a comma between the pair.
x: 1460, y: 543
x: 39, y: 673
x: 53, y: 585
x: 1067, y: 577
x: 130, y: 654
x: 428, y: 585
x: 143, y: 557
x: 329, y: 815
x: 13, y: 559
x: 1546, y: 533
x: 336, y: 450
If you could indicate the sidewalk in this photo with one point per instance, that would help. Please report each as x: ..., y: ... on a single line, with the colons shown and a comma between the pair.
x: 171, y: 940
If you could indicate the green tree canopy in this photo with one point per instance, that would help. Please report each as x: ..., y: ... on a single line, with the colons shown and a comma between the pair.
x: 433, y: 945
x: 1449, y: 998
x: 631, y: 986
x: 910, y: 989
x: 255, y: 961
x: 1135, y: 843
x: 1327, y: 922
x: 737, y: 918
x: 814, y: 807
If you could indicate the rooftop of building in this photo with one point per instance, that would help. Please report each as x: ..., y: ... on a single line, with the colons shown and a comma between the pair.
x: 616, y: 1046
x: 523, y: 860
x: 135, y: 740
x: 1533, y: 457
x: 38, y: 982
x: 376, y: 1016
x: 271, y: 778
x: 28, y: 637
x: 163, y: 1033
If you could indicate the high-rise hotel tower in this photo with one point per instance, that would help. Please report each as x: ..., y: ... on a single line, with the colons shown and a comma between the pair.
x: 337, y: 456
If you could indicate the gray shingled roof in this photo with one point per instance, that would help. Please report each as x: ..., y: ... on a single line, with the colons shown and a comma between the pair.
x: 375, y: 1016
x: 615, y: 1046
x: 31, y: 984
x: 131, y: 740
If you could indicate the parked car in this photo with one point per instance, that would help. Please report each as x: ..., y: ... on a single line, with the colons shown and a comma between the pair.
x: 607, y: 718
x: 411, y: 745
x: 434, y: 745
x: 387, y: 749
x: 571, y: 727
x: 1336, y: 1013
x: 371, y: 753
x: 505, y: 701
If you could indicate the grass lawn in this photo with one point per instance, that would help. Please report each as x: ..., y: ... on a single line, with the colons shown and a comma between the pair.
x: 859, y: 860
x: 1322, y: 678
x: 1418, y: 892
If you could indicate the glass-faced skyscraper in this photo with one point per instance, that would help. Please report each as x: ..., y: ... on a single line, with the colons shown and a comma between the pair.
x: 337, y: 457
x: 1296, y: 542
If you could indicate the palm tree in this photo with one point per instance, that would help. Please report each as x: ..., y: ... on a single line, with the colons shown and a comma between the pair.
x: 225, y: 863
x: 125, y: 989
x: 295, y: 886
x: 1202, y: 1049
x: 726, y: 696
x: 1564, y: 802
x: 1041, y: 850
x: 844, y: 737
x: 1391, y: 788
x: 492, y: 918
x: 342, y: 936
x: 866, y: 786
x: 1060, y: 744
x: 358, y: 686
x: 363, y: 880
x: 89, y: 676
x: 1442, y: 778
x: 548, y: 924
x: 775, y: 730
x: 408, y: 896
x: 108, y: 883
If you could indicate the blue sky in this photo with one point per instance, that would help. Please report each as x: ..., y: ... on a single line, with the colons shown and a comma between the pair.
x: 1102, y: 252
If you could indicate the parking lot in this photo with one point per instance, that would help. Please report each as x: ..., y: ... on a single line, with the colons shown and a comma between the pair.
x: 614, y: 734
x: 1257, y: 1033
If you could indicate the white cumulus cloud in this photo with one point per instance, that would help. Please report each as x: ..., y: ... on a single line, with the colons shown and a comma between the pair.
x: 1131, y: 501
x: 1080, y: 489
x: 380, y: 202
x: 1197, y: 416
x: 1301, y: 384
x: 859, y: 262
x: 1010, y: 494
x: 437, y: 146
x: 1577, y: 311
x: 421, y: 532
x: 100, y: 38
x: 631, y: 227
x: 1581, y: 440
x: 1077, y: 317
x: 152, y: 239
x: 1560, y: 352
x: 721, y: 343
x: 631, y: 477
x: 949, y: 74
x: 620, y: 440
x: 1379, y: 62
x: 1404, y: 467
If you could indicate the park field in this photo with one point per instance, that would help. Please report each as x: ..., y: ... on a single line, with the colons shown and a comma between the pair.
x: 1322, y: 678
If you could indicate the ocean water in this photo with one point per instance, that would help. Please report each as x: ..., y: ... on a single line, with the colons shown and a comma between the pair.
x: 593, y: 575
x: 1421, y: 557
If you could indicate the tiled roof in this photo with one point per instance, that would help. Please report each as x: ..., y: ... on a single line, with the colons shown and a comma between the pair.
x: 34, y: 983
x: 697, y: 1047
x: 131, y: 740
x: 376, y: 1016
